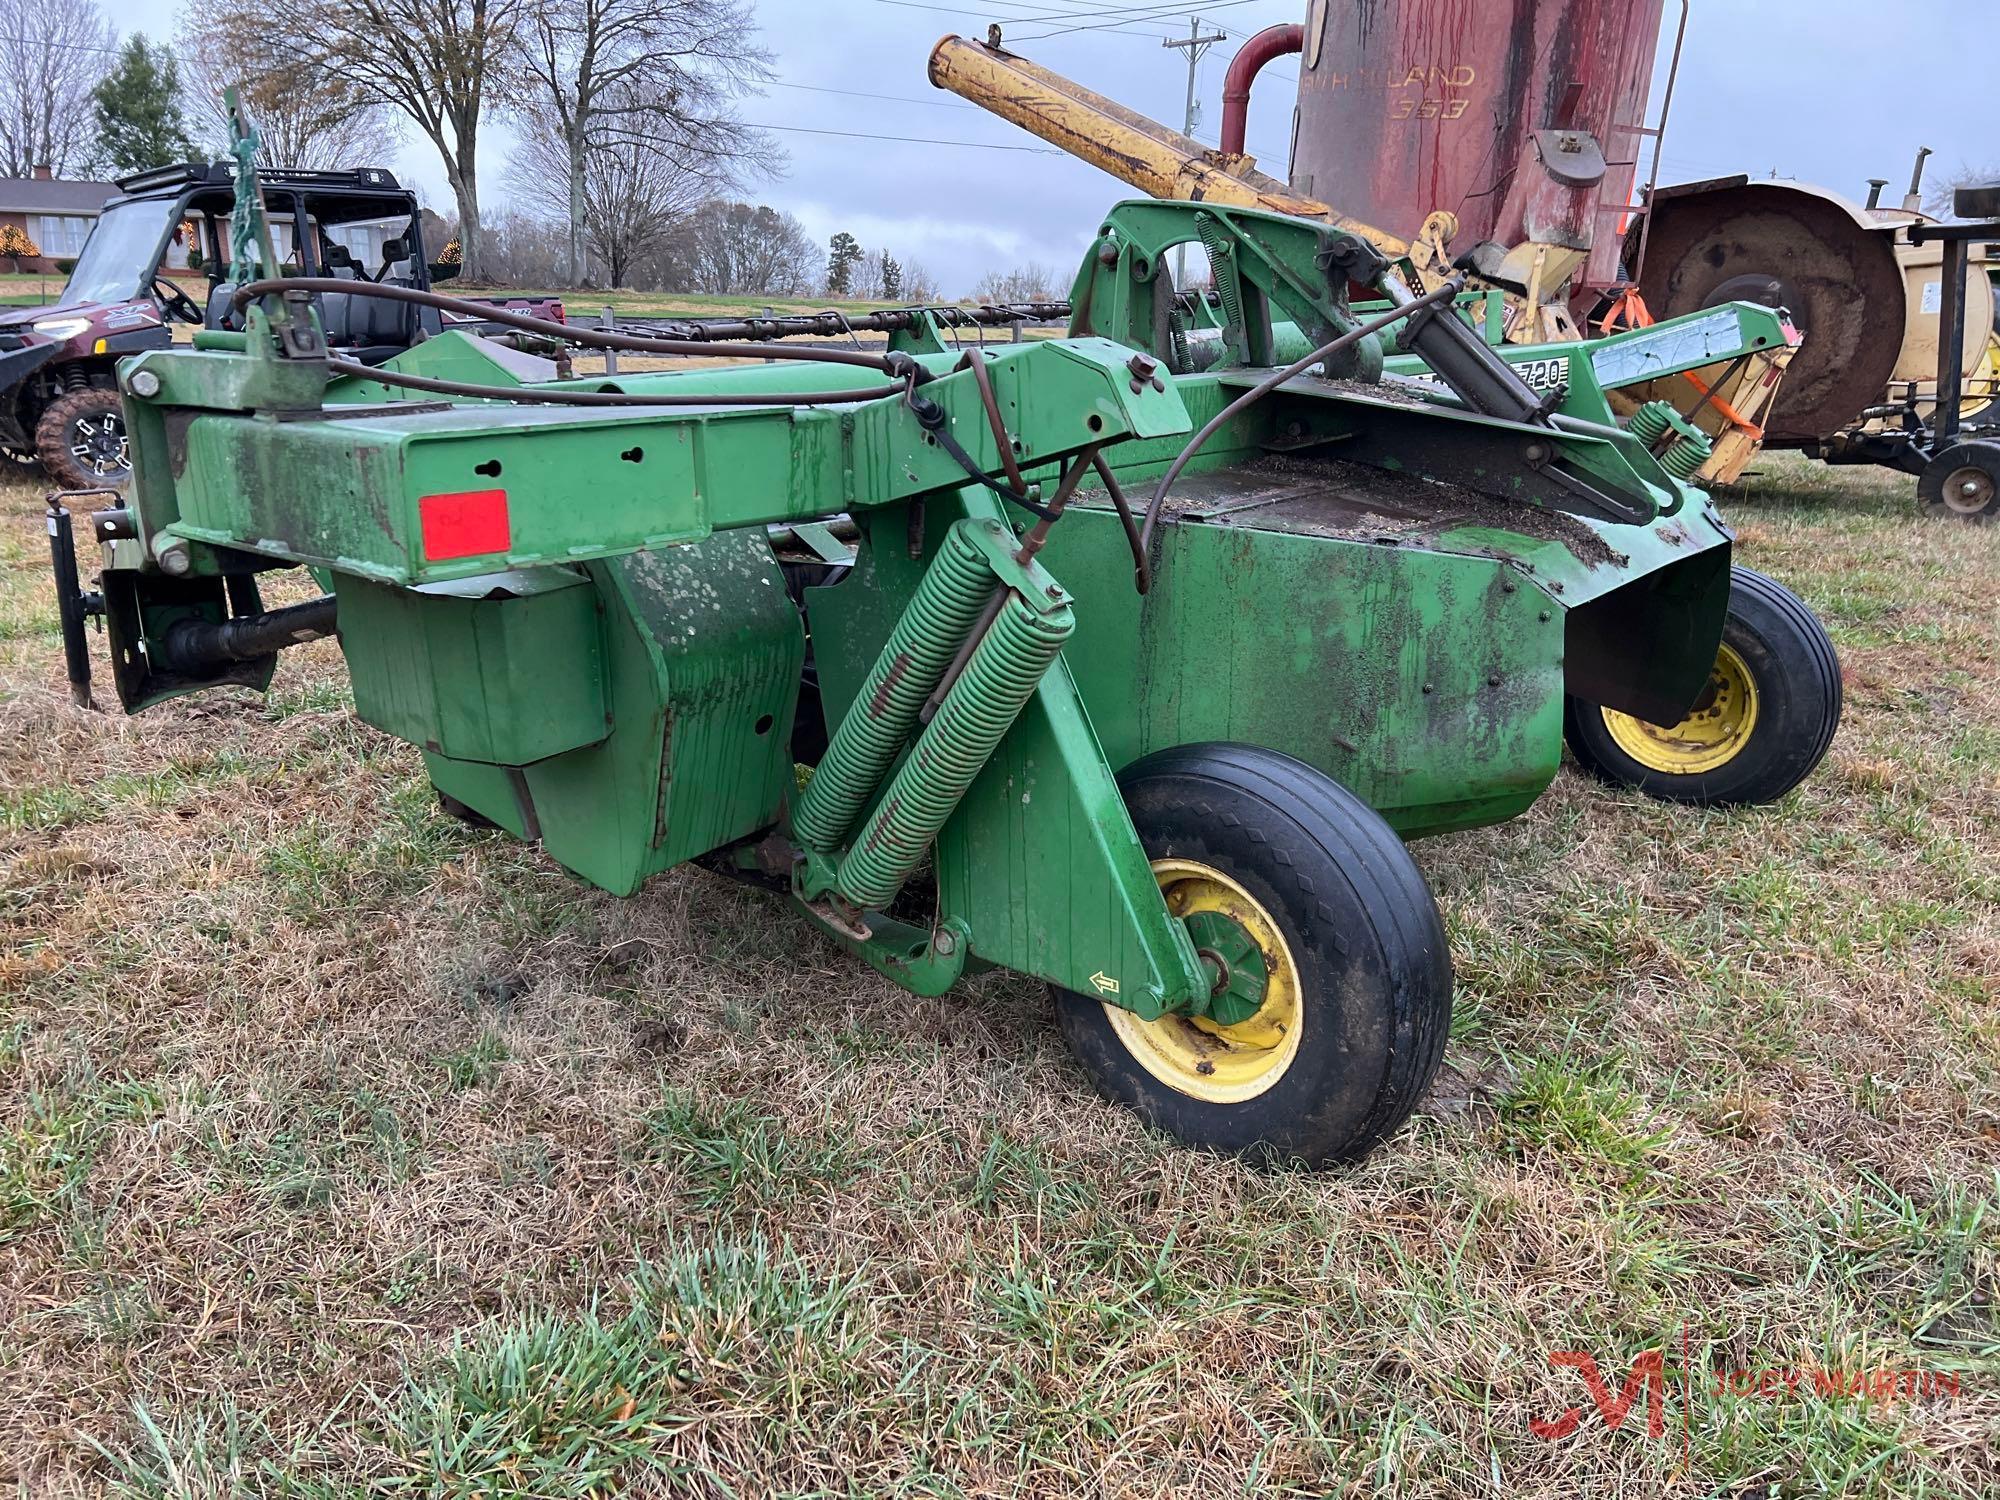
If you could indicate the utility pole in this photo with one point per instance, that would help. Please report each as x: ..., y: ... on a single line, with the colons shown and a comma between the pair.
x: 1194, y: 44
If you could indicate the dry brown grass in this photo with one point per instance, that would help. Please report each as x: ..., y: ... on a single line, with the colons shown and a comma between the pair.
x: 343, y: 1147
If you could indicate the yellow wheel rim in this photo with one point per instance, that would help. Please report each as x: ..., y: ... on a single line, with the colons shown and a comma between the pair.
x: 1220, y: 1064
x: 1712, y: 735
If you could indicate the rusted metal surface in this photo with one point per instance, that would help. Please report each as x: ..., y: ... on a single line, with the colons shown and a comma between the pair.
x: 1409, y: 106
x: 1250, y: 58
x: 1795, y: 247
x: 1158, y: 161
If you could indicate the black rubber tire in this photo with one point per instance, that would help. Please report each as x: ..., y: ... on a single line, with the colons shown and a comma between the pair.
x: 1791, y: 660
x: 1940, y: 486
x: 1374, y: 966
x: 53, y: 440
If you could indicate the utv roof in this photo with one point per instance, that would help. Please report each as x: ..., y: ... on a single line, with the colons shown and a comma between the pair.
x: 223, y: 174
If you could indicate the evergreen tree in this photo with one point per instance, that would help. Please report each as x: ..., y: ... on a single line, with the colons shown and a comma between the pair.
x: 843, y: 253
x: 892, y: 278
x: 138, y: 105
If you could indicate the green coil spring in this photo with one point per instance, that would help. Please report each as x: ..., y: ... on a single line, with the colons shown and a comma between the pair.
x: 948, y: 602
x: 1651, y: 422
x: 1000, y: 676
x: 1657, y: 421
x: 1689, y: 452
x: 1220, y: 248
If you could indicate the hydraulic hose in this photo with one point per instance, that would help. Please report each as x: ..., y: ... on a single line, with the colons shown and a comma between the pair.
x: 596, y: 338
x: 1270, y: 383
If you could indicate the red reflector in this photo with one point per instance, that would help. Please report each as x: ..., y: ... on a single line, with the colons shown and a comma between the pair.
x: 470, y: 523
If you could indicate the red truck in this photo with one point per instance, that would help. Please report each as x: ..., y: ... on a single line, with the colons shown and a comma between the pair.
x: 59, y: 401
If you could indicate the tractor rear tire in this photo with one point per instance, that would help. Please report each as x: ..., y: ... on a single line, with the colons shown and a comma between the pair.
x: 1963, y: 482
x: 82, y: 442
x: 1765, y: 721
x: 1356, y: 999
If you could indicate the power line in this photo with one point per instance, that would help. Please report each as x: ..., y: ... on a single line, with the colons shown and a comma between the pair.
x: 1101, y: 19
x: 1193, y: 12
x: 915, y: 140
x: 815, y: 88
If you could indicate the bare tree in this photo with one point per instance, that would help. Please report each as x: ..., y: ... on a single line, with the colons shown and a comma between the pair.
x: 640, y: 76
x: 308, y: 113
x: 1938, y: 201
x: 755, y: 250
x: 523, y: 250
x: 1033, y: 282
x: 51, y: 58
x: 637, y: 190
x: 919, y: 286
x: 867, y: 283
x: 431, y: 60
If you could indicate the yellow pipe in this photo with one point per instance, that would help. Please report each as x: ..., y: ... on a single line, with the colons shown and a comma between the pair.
x: 1161, y: 163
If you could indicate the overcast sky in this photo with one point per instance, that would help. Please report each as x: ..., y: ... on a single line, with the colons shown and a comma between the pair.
x: 1826, y: 91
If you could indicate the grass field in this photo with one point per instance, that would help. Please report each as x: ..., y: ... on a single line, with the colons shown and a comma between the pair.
x: 344, y: 1148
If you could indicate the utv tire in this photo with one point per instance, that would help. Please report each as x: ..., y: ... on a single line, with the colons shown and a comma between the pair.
x: 1963, y: 482
x: 82, y: 442
x: 1760, y: 727
x: 1356, y: 1001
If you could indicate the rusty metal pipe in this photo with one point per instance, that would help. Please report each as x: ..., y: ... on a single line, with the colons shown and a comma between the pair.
x: 1161, y: 163
x: 1281, y: 40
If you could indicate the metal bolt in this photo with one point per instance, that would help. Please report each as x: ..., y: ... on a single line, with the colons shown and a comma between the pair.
x: 944, y: 942
x: 145, y: 383
x: 173, y: 557
x: 1142, y: 365
x: 1508, y: 586
x: 1493, y: 679
x: 1429, y: 688
x: 1547, y: 615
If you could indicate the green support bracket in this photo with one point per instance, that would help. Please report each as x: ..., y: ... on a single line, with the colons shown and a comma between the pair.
x: 926, y: 961
x: 1266, y: 267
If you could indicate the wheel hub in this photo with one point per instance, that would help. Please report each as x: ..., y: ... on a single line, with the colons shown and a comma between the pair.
x: 1714, y: 732
x: 1251, y: 1032
x: 99, y: 444
x: 1968, y: 490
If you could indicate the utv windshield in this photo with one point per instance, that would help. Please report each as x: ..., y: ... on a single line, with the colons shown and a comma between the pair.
x: 122, y: 253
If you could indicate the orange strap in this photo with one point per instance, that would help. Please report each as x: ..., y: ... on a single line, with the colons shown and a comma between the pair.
x: 1728, y: 413
x: 1629, y: 311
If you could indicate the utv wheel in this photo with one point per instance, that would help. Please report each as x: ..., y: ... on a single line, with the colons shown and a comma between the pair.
x: 1963, y: 482
x: 1758, y: 729
x: 82, y: 442
x: 1337, y: 970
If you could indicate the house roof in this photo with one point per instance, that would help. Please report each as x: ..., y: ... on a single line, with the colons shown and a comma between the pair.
x: 30, y: 195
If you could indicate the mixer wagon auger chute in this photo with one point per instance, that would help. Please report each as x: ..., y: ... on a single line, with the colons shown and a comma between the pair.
x: 1157, y: 756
